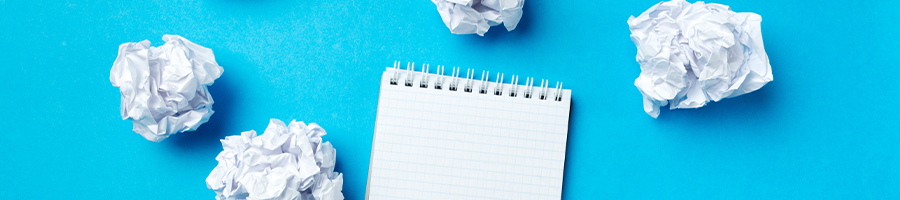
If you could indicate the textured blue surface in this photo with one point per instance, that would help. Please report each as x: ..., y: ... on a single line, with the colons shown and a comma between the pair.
x: 827, y: 127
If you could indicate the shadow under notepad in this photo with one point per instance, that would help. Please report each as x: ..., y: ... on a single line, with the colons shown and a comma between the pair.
x: 568, y: 151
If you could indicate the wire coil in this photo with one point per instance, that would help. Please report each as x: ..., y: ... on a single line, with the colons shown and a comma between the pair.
x: 543, y: 93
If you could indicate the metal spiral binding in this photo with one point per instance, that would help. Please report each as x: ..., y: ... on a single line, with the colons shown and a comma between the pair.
x: 529, y: 82
x: 514, y: 80
x: 484, y: 85
x: 470, y: 73
x: 455, y: 81
x: 424, y: 82
x: 408, y: 74
x: 440, y: 78
x: 396, y: 73
x: 499, y: 84
x: 543, y: 93
x: 558, y: 92
x: 544, y: 85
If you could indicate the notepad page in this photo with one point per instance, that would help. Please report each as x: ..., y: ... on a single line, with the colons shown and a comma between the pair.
x: 441, y: 144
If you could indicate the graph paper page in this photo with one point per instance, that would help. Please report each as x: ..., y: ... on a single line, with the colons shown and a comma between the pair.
x: 442, y: 144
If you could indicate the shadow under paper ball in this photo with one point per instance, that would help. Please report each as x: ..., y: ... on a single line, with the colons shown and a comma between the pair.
x: 750, y: 110
x: 206, y: 137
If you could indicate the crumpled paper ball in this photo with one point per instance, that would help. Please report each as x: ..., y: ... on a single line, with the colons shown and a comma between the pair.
x: 285, y: 162
x: 693, y: 53
x: 477, y: 16
x: 164, y: 88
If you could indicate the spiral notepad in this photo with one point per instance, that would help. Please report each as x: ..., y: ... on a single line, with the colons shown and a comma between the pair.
x: 448, y: 137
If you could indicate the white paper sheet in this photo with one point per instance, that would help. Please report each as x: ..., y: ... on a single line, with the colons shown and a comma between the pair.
x: 477, y: 16
x: 285, y: 162
x: 693, y: 53
x: 164, y: 88
x: 442, y: 144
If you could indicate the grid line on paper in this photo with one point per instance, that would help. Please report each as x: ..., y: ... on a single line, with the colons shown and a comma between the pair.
x: 447, y: 193
x: 476, y: 134
x: 392, y: 196
x: 456, y: 186
x: 463, y: 168
x: 471, y: 160
x: 463, y: 115
x: 404, y: 135
x: 487, y: 108
x: 511, y: 129
x: 407, y: 171
x: 471, y: 133
x: 473, y: 115
x: 470, y: 151
x: 481, y: 143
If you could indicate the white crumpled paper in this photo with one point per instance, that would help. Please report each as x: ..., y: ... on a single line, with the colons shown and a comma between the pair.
x: 285, y: 162
x: 164, y: 88
x: 477, y: 16
x: 693, y: 53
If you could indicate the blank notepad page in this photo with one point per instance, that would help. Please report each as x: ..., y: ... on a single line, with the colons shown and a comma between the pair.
x: 441, y: 144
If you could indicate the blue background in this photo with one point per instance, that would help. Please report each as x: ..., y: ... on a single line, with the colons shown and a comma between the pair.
x: 827, y: 127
